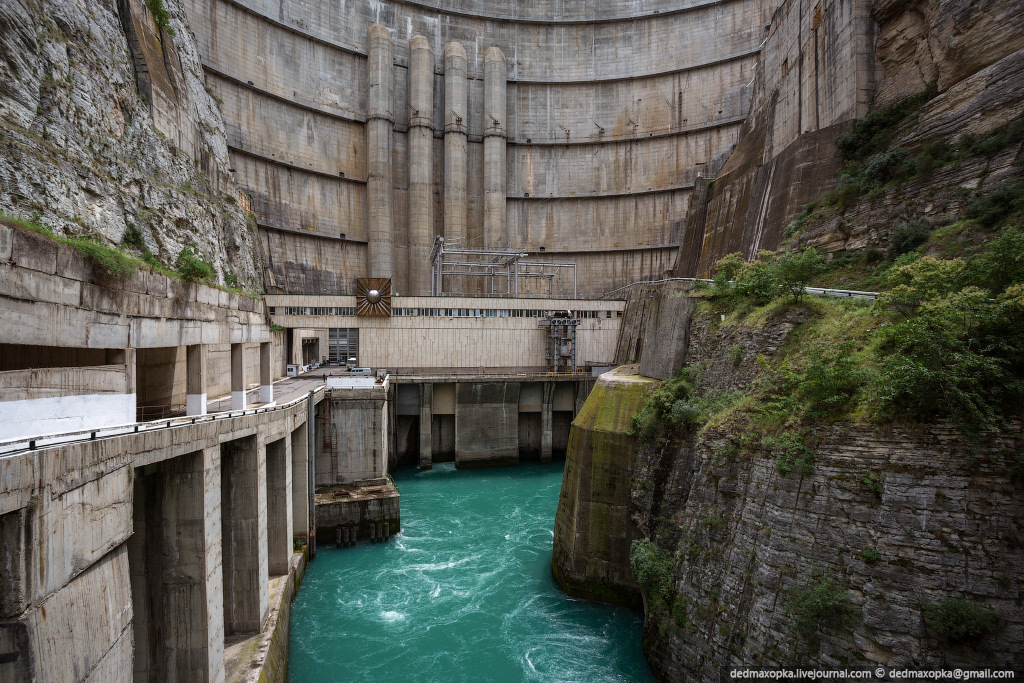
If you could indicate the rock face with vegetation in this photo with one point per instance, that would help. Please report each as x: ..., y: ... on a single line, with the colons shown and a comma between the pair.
x: 109, y: 135
x: 940, y: 78
x: 785, y: 522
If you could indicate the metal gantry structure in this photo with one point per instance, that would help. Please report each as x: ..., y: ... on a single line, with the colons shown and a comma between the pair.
x: 450, y: 262
x: 560, y: 351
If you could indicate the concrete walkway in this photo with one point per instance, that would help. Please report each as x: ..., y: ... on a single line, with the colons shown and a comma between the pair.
x: 285, y: 390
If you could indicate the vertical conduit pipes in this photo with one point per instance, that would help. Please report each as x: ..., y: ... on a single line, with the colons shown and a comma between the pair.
x: 455, y: 124
x: 495, y: 235
x: 379, y: 124
x: 421, y: 148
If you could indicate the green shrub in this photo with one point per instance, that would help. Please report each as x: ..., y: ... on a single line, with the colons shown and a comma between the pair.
x: 933, y: 156
x: 887, y: 166
x: 873, y: 483
x: 994, y: 141
x: 652, y: 568
x: 796, y: 270
x: 192, y: 267
x: 816, y: 605
x: 666, y: 405
x: 133, y: 238
x: 796, y: 456
x: 107, y: 260
x: 831, y: 377
x: 161, y: 15
x: 870, y: 556
x: 994, y: 207
x: 1002, y: 264
x: 878, y: 128
x: 961, y: 620
x: 797, y: 224
x: 908, y: 237
x: 679, y: 614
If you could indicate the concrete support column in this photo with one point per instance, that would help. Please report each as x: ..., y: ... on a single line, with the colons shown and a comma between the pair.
x: 426, y: 417
x: 214, y: 563
x: 238, y: 384
x: 456, y: 176
x: 244, y: 535
x: 421, y: 149
x: 178, y: 629
x: 546, y: 418
x: 379, y: 123
x: 279, y: 506
x: 266, y: 373
x: 495, y: 232
x: 300, y: 484
x: 195, y: 379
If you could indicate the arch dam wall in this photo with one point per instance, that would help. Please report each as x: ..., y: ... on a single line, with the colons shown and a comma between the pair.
x: 583, y: 146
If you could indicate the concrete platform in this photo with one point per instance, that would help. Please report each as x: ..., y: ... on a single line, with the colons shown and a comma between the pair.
x: 357, y: 507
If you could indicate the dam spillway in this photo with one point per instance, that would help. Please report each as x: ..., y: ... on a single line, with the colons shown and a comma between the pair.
x: 463, y: 593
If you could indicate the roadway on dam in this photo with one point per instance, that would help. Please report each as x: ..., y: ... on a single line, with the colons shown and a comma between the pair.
x: 464, y: 593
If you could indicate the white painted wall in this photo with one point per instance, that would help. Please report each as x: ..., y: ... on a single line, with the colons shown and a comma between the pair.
x: 54, y: 415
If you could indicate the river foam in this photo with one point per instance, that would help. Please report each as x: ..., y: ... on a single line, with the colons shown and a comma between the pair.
x: 463, y: 593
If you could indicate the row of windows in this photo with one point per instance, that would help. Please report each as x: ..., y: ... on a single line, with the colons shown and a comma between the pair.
x: 443, y: 312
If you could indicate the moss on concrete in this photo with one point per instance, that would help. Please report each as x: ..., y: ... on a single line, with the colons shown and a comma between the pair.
x: 592, y: 526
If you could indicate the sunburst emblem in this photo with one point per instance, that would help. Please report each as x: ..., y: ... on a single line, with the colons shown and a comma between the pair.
x: 373, y: 296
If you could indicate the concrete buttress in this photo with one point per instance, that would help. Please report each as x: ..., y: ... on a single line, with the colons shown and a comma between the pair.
x: 421, y: 147
x: 379, y: 122
x: 455, y: 126
x: 495, y: 234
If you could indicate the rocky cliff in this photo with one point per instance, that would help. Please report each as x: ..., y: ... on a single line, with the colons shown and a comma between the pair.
x: 889, y: 522
x: 107, y: 124
x: 824, y: 65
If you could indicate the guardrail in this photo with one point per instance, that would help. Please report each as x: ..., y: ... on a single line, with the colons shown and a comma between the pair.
x: 817, y: 291
x: 34, y: 443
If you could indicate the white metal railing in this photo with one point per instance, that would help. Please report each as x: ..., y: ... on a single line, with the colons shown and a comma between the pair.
x: 818, y: 291
x: 33, y: 443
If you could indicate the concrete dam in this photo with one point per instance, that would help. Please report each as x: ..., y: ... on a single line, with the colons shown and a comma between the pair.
x: 372, y: 338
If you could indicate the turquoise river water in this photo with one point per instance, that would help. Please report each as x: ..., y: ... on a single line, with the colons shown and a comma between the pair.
x: 464, y: 593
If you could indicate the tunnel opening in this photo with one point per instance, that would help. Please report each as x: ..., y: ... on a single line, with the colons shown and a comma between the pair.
x: 529, y: 436
x: 442, y: 434
x: 407, y: 440
x: 561, y: 423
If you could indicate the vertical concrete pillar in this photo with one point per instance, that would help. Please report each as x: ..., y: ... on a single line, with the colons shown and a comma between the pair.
x: 546, y: 417
x: 244, y: 535
x: 426, y: 418
x: 495, y: 234
x: 266, y: 373
x: 456, y: 107
x: 177, y: 630
x: 300, y: 475
x: 421, y: 147
x: 195, y: 379
x: 212, y: 529
x: 238, y: 384
x: 379, y: 122
x: 279, y: 506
